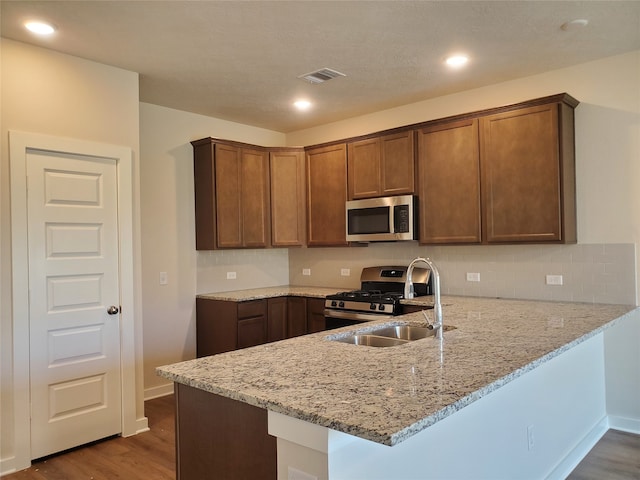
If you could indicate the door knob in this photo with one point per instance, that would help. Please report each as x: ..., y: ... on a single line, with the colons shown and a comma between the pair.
x: 112, y: 310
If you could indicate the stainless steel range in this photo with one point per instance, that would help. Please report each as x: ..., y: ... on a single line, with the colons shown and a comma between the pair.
x: 381, y: 289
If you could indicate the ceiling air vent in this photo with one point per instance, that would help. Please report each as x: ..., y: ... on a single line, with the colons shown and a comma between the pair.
x: 321, y: 76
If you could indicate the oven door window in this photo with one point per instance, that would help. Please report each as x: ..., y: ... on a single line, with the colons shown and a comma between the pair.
x: 368, y: 220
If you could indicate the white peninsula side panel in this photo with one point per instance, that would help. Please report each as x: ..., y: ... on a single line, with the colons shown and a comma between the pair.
x: 538, y: 426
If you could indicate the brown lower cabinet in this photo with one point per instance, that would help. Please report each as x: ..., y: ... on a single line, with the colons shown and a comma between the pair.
x: 296, y: 316
x: 315, y: 315
x: 217, y: 437
x: 277, y: 319
x: 222, y: 326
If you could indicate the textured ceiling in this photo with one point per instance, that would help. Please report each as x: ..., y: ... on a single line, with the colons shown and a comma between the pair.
x: 239, y: 60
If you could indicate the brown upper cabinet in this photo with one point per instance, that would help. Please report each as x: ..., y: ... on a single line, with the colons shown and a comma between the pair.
x: 242, y: 197
x: 381, y: 166
x: 528, y: 174
x: 231, y: 183
x: 248, y: 196
x: 326, y: 195
x: 449, y: 180
x: 287, y: 197
x: 504, y: 176
x: 204, y: 185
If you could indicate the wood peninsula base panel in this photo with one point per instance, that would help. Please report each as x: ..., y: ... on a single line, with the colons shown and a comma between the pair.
x: 217, y: 437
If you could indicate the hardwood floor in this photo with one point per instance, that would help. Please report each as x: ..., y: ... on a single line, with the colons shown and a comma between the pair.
x: 151, y: 455
x: 615, y: 457
x: 146, y: 456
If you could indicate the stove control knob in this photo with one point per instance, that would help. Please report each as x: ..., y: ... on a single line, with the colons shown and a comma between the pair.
x: 341, y: 304
x: 372, y: 306
x: 381, y: 307
x: 334, y: 303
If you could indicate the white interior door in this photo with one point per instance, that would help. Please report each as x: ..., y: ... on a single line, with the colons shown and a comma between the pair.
x: 75, y: 384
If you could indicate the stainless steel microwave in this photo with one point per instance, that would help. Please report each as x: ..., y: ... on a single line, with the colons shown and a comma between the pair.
x: 382, y: 219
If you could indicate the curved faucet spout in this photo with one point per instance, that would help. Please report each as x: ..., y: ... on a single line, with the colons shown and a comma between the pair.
x: 410, y: 293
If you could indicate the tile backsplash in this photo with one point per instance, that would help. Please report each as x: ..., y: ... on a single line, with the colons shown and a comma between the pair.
x: 253, y: 268
x: 600, y: 273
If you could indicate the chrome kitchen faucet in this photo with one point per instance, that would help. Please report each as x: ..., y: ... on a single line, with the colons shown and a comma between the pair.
x: 437, y: 306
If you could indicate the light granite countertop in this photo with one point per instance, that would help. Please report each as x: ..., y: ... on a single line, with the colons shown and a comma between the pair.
x: 292, y: 291
x: 388, y: 394
x: 270, y: 292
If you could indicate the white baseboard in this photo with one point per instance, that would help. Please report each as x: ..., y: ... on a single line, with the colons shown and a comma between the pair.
x: 631, y: 425
x: 159, y: 391
x: 575, y: 456
x: 7, y: 466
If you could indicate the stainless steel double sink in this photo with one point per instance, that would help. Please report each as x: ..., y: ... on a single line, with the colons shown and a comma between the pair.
x: 389, y: 336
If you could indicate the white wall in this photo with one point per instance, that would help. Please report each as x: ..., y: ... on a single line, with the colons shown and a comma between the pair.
x: 622, y: 363
x: 48, y: 93
x: 607, y: 138
x: 168, y: 236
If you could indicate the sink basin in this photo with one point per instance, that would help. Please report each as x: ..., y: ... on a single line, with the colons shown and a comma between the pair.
x: 372, y: 340
x: 390, y: 336
x: 405, y: 332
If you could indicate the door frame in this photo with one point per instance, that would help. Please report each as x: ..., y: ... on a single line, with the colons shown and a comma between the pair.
x: 19, y: 144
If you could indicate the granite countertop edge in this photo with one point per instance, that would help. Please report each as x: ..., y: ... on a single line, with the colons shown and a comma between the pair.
x: 392, y: 435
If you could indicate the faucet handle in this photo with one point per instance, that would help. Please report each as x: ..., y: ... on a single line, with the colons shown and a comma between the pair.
x: 429, y: 324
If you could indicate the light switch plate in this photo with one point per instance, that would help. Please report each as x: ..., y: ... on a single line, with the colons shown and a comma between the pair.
x: 231, y: 275
x: 345, y: 272
x: 306, y: 272
x: 473, y: 277
x: 164, y: 279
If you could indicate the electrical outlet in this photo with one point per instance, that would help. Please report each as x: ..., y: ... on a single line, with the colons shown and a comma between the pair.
x: 473, y: 277
x: 530, y: 439
x: 163, y: 278
x: 345, y: 272
x: 306, y: 272
x: 231, y: 275
x: 554, y: 279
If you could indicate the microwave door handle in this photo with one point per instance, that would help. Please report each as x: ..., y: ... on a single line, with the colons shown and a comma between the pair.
x: 392, y: 219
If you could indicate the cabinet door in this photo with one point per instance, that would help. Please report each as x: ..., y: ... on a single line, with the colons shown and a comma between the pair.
x: 296, y: 316
x: 254, y: 188
x: 252, y: 323
x: 397, y: 164
x: 363, y: 160
x: 326, y: 195
x: 449, y: 183
x: 521, y: 175
x: 315, y: 315
x: 276, y: 319
x: 287, y: 198
x: 228, y: 188
x: 216, y: 326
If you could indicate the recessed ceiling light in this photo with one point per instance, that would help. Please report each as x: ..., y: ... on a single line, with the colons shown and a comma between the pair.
x: 457, y: 60
x: 40, y: 28
x: 574, y: 24
x: 302, y: 104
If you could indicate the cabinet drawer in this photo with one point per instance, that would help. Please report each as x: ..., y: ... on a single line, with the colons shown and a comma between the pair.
x: 252, y: 331
x: 253, y: 308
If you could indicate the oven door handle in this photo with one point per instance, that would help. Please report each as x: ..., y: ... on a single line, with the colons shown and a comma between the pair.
x: 350, y: 315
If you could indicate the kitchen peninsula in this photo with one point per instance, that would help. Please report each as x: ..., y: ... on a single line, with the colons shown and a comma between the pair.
x: 510, y: 392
